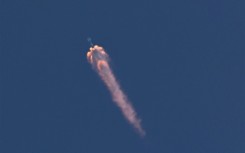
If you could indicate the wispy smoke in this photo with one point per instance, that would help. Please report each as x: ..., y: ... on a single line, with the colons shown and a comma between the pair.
x: 99, y: 60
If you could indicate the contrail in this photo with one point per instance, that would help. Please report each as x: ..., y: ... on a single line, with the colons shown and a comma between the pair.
x: 99, y: 59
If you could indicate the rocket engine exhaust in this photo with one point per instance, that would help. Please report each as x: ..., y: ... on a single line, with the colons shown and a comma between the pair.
x: 99, y: 60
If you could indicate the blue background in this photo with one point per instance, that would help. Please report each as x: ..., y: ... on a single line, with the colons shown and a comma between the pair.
x: 181, y: 64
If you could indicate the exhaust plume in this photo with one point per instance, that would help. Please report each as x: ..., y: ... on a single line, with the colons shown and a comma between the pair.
x: 99, y: 59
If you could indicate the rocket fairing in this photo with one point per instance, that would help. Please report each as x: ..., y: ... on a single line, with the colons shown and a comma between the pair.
x: 90, y: 42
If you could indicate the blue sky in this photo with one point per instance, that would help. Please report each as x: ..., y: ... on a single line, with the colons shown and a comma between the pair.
x: 181, y: 63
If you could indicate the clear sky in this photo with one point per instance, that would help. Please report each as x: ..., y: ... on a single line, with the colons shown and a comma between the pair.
x: 181, y: 63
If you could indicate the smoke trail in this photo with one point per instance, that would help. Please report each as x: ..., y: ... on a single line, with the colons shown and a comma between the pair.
x: 99, y: 60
